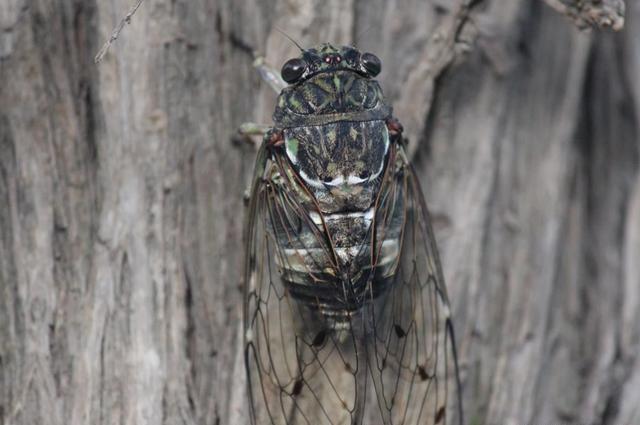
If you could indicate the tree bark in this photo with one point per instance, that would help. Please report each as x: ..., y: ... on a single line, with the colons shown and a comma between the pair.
x: 121, y: 198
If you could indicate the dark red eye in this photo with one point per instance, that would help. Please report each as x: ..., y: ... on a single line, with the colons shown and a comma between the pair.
x: 371, y: 63
x: 293, y: 69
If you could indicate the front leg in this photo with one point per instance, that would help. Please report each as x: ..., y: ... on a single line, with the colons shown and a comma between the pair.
x: 268, y: 74
x: 250, y: 133
x: 272, y: 138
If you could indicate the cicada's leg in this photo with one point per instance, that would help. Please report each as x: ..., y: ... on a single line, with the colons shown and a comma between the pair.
x: 253, y: 129
x: 271, y: 138
x: 270, y: 75
x: 250, y: 133
x: 396, y: 131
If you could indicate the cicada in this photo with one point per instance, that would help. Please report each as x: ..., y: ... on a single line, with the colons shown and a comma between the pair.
x: 346, y: 314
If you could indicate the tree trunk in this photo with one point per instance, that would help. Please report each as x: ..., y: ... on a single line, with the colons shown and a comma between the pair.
x: 121, y: 199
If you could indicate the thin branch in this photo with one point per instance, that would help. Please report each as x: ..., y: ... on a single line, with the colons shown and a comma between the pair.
x: 116, y: 32
x: 592, y: 13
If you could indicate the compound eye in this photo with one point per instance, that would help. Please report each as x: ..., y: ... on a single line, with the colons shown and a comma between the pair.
x: 371, y: 64
x: 293, y: 69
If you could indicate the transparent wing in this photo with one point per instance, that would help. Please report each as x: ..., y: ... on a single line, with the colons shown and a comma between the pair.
x: 412, y: 359
x: 299, y: 371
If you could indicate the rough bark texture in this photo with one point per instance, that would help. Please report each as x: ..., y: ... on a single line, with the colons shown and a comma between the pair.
x: 121, y: 199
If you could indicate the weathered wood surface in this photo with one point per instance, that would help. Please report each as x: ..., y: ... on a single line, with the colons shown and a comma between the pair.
x: 121, y: 199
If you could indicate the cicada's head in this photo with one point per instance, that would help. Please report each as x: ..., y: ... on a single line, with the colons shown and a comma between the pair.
x: 327, y: 58
x: 329, y: 84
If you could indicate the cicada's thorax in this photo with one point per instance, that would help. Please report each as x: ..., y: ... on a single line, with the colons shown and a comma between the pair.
x: 336, y: 145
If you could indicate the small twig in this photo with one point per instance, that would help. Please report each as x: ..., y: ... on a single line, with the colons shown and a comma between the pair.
x: 592, y: 13
x: 116, y: 32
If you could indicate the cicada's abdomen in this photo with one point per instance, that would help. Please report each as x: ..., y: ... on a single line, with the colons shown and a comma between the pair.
x: 334, y: 262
